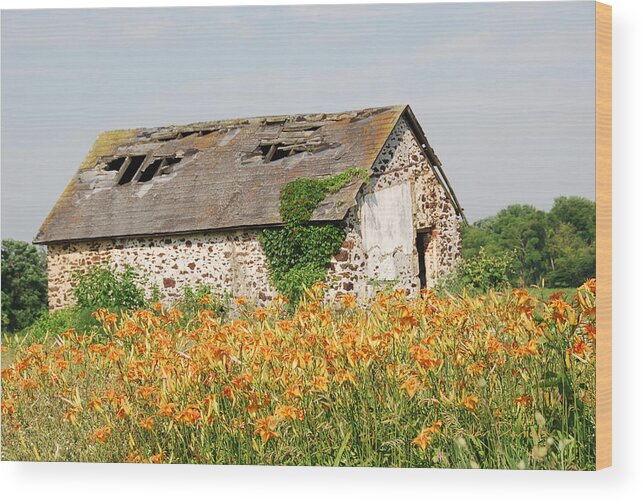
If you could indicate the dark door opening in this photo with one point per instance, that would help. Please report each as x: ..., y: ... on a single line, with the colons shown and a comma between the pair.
x: 422, y: 240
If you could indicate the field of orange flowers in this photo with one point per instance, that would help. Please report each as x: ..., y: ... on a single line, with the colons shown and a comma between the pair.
x: 501, y: 380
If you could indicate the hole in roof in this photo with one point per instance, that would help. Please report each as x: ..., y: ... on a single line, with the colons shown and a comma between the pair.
x: 134, y: 164
x: 115, y: 164
x: 276, y: 151
x: 171, y: 136
x: 185, y: 134
x: 149, y: 172
x: 265, y: 150
x: 280, y: 153
x: 169, y: 161
x: 159, y: 167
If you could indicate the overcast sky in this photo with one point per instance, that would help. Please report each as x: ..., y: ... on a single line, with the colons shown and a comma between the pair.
x: 505, y: 92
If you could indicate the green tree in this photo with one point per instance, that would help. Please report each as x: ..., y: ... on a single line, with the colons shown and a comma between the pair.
x: 24, y: 284
x: 572, y: 241
x: 577, y: 212
x: 558, y: 246
x: 518, y: 229
x: 479, y: 273
x: 572, y: 259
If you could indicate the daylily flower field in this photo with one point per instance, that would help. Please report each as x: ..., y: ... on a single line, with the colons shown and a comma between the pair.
x: 501, y: 380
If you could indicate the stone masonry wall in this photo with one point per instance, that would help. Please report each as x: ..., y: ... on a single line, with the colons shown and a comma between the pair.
x: 231, y: 262
x: 402, y: 161
x: 234, y: 261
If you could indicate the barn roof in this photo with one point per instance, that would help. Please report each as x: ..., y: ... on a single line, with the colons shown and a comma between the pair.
x: 215, y: 175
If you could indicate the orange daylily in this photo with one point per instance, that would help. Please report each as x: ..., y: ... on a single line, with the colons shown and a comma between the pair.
x: 470, y: 402
x: 147, y: 423
x: 524, y: 400
x: 101, y: 434
x: 289, y: 412
x: 320, y: 383
x: 167, y: 410
x: 257, y: 375
x: 347, y: 301
x: 411, y: 386
x: 426, y: 435
x: 266, y: 428
x: 189, y: 415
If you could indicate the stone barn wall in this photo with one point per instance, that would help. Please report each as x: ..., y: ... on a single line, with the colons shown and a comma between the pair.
x: 402, y: 198
x: 229, y: 261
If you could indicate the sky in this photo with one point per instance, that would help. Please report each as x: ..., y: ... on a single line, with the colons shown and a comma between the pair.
x: 504, y: 91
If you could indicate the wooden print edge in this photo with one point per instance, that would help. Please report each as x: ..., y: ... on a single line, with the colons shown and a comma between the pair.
x: 603, y: 235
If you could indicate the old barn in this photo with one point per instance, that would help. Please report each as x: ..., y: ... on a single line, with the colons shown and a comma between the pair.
x: 185, y: 204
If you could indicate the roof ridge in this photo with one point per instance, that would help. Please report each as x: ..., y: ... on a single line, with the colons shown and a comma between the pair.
x: 227, y: 122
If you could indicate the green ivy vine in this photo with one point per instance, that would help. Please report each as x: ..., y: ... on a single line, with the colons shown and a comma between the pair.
x: 299, y: 253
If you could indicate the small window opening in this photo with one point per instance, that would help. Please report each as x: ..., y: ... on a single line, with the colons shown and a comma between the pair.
x: 132, y: 169
x: 115, y: 164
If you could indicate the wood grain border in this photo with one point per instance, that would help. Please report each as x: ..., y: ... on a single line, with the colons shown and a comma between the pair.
x: 603, y: 235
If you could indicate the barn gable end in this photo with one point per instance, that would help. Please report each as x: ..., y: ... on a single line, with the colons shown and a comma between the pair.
x: 404, y: 218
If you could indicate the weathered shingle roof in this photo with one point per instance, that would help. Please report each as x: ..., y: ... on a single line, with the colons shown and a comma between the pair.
x: 214, y: 175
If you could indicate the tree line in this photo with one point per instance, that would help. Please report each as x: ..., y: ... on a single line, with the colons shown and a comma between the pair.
x: 556, y: 248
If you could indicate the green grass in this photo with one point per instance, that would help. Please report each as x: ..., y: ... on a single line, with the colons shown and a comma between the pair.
x: 544, y: 293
